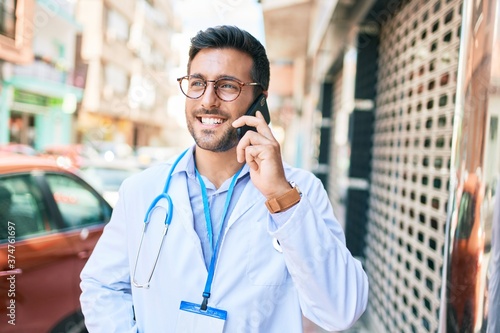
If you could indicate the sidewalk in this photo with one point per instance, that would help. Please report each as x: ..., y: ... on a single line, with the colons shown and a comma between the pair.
x: 359, y: 327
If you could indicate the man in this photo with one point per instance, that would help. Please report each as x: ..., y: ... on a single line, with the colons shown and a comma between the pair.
x: 245, y: 251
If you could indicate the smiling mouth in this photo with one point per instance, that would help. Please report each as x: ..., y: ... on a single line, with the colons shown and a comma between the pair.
x: 211, y: 120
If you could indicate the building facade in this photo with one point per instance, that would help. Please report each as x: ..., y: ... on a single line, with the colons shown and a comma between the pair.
x: 127, y: 47
x: 385, y: 91
x: 40, y: 89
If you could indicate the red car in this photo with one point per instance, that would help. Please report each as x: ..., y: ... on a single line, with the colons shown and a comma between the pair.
x: 18, y: 148
x: 50, y: 220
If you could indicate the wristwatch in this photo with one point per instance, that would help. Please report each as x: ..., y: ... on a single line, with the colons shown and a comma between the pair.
x: 285, y: 201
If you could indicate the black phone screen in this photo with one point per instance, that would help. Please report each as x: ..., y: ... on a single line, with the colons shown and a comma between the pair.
x: 259, y: 104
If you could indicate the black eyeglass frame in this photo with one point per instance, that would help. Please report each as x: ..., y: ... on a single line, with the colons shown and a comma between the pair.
x: 241, y: 84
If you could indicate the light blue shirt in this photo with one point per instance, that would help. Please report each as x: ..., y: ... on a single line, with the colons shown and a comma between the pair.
x: 216, y: 201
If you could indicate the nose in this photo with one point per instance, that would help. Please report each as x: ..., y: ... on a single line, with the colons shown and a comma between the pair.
x: 209, y: 99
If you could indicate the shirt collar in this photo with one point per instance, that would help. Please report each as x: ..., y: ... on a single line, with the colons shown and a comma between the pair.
x: 186, y: 164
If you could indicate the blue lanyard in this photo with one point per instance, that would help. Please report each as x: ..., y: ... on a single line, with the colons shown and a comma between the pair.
x: 206, y: 210
x: 208, y: 221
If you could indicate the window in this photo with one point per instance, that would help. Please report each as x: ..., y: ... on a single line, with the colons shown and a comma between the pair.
x: 16, y: 16
x: 116, y: 78
x: 78, y: 205
x: 21, y: 204
x: 8, y: 18
x: 117, y: 26
x: 145, y: 50
x: 142, y: 93
x: 157, y: 59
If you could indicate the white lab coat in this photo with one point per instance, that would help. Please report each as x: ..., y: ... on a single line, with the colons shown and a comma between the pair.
x: 261, y: 289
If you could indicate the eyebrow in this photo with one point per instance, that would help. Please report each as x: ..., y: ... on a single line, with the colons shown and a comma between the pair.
x: 222, y: 76
x: 196, y: 75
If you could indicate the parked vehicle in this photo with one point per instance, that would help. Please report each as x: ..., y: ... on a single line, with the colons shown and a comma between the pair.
x: 111, y: 150
x: 50, y: 221
x: 149, y: 155
x: 18, y: 148
x: 107, y: 176
x: 70, y: 155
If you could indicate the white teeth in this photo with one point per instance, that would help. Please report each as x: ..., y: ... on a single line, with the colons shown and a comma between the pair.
x: 211, y: 121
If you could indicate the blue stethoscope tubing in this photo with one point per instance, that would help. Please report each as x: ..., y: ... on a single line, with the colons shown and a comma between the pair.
x: 168, y: 220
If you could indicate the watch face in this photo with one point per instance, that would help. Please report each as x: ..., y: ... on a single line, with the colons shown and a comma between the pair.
x: 293, y: 185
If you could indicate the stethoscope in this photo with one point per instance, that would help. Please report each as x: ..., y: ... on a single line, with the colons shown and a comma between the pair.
x: 168, y: 220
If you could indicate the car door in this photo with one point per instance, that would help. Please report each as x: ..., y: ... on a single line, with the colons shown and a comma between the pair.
x: 82, y: 216
x: 57, y: 219
x: 34, y: 261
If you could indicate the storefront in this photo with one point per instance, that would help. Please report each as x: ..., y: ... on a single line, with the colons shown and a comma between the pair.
x: 37, y: 112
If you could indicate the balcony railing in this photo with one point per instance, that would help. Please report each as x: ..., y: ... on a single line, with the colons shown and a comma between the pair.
x: 45, y: 70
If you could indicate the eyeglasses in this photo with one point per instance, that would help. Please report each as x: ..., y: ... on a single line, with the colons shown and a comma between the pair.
x: 225, y: 88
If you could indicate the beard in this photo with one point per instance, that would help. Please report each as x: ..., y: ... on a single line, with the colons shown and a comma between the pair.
x: 211, y: 140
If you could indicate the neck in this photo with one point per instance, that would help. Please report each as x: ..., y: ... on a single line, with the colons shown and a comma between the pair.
x: 216, y: 166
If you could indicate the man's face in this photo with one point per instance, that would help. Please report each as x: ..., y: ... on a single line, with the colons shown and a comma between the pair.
x: 209, y: 118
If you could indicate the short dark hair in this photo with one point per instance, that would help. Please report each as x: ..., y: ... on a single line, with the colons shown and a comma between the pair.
x: 232, y: 37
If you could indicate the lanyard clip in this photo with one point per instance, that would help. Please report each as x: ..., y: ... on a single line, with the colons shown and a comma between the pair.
x: 204, y: 304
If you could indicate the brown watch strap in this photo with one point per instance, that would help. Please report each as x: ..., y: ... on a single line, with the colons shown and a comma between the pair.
x: 281, y: 203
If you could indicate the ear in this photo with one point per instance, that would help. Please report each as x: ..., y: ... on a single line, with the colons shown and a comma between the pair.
x: 266, y: 93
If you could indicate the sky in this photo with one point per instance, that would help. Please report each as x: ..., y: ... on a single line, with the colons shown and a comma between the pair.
x: 200, y: 14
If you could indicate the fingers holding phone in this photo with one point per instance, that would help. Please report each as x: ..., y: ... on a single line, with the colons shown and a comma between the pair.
x: 259, y: 104
x: 259, y: 148
x: 250, y: 122
x: 258, y: 136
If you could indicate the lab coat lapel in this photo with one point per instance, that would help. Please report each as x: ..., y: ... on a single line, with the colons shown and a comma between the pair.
x: 249, y: 197
x: 182, y: 208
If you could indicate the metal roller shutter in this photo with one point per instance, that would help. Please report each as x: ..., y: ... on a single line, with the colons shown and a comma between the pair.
x: 418, y: 59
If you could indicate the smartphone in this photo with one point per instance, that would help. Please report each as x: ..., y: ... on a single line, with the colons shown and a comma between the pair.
x: 259, y: 104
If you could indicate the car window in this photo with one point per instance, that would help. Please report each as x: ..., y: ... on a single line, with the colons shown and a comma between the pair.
x: 21, y: 207
x: 107, y: 179
x: 78, y: 205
